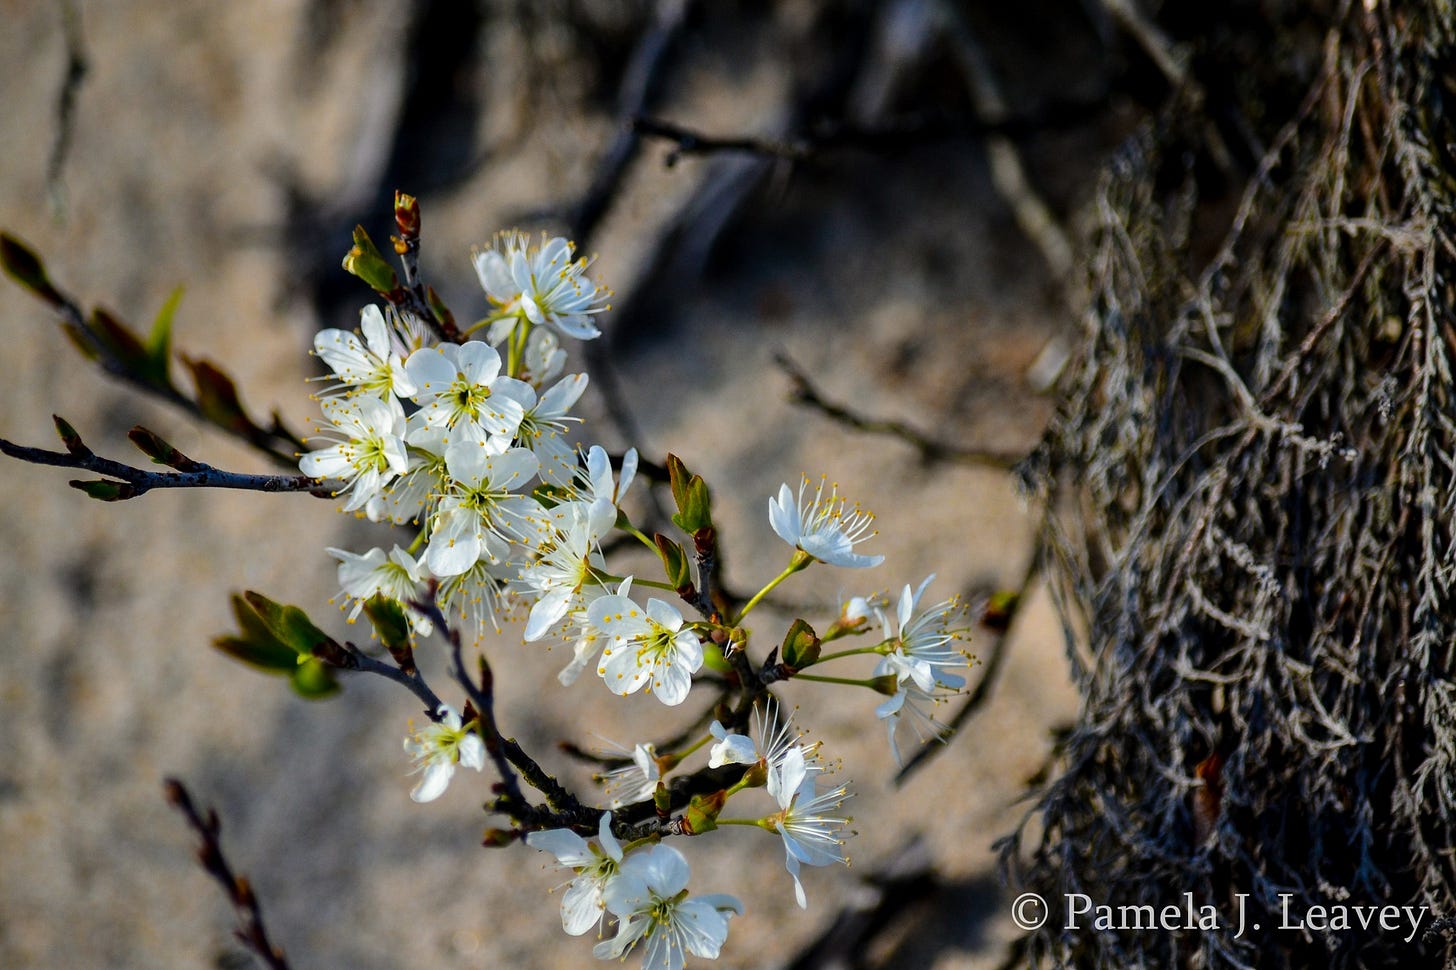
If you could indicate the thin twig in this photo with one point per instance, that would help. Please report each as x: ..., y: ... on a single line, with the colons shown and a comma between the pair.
x: 691, y: 142
x: 639, y: 84
x: 990, y: 672
x: 126, y: 482
x: 76, y: 67
x: 893, y: 135
x: 250, y: 930
x: 414, y: 682
x: 1007, y: 171
x: 804, y: 392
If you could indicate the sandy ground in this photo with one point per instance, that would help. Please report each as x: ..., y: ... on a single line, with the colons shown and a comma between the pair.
x: 901, y: 283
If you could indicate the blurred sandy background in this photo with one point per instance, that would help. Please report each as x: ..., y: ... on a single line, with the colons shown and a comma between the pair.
x: 229, y: 148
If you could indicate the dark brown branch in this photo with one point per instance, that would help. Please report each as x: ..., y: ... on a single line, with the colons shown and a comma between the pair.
x: 804, y: 392
x: 126, y: 482
x: 355, y: 659
x: 250, y: 930
x: 506, y: 753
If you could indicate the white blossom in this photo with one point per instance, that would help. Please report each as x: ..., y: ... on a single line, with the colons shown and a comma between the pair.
x: 650, y: 900
x: 543, y: 429
x: 914, y: 705
x: 923, y: 641
x: 822, y: 527
x: 368, y: 450
x: 634, y: 782
x: 542, y: 284
x: 808, y: 822
x: 480, y: 517
x: 438, y: 748
x: 594, y: 866
x: 648, y: 646
x: 461, y: 387
x: 373, y: 366
x: 731, y: 749
x: 395, y: 575
x: 565, y: 570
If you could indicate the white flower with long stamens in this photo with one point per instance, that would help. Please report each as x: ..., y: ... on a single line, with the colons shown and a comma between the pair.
x: 650, y: 646
x: 594, y: 865
x: 438, y: 748
x: 543, y: 430
x: 374, y: 366
x: 543, y: 285
x: 635, y: 782
x: 408, y: 332
x: 396, y: 575
x: 480, y: 518
x: 650, y: 900
x: 475, y: 595
x: 369, y: 451
x: 913, y: 705
x: 822, y: 527
x: 461, y: 387
x: 922, y: 643
x: 777, y: 737
x: 807, y: 821
x: 567, y: 568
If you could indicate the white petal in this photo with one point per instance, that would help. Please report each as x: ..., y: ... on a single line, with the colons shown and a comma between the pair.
x: 569, y: 848
x: 495, y: 278
x: 784, y: 517
x: 436, y: 779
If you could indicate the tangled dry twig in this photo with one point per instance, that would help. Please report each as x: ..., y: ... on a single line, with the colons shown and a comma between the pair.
x: 1254, y: 472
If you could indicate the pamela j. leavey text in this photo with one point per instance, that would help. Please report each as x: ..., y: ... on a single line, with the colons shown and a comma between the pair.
x: 1186, y: 915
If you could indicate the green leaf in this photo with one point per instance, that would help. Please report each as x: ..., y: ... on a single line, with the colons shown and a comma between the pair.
x: 82, y: 342
x: 69, y: 437
x: 674, y: 561
x: 314, y: 680
x: 256, y: 644
x: 23, y: 266
x: 217, y: 397
x: 125, y: 347
x: 678, y: 477
x: 159, y: 450
x: 105, y: 491
x: 440, y: 310
x: 255, y: 630
x: 714, y: 660
x: 703, y: 811
x: 159, y: 341
x: 254, y: 654
x: 690, y: 493
x: 365, y: 261
x: 291, y: 626
x: 392, y: 625
x: 801, y: 646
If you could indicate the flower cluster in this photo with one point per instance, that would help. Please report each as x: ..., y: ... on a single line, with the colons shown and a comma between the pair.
x: 466, y: 445
x: 451, y: 439
x: 642, y: 887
